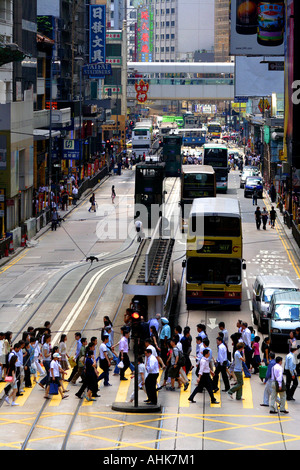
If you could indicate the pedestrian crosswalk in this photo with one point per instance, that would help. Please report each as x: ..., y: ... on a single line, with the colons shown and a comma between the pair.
x: 121, y: 391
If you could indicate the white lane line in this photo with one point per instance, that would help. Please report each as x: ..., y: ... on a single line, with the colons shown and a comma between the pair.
x: 76, y: 310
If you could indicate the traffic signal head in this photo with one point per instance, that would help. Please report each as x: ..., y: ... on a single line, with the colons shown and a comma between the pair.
x: 135, y: 316
x: 135, y: 324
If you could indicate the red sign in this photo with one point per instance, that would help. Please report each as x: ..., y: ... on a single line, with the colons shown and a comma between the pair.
x: 141, y: 89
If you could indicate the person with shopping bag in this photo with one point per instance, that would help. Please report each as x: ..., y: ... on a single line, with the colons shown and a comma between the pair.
x: 55, y: 371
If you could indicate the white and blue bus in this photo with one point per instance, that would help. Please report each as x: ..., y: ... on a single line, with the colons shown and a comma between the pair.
x: 194, y: 137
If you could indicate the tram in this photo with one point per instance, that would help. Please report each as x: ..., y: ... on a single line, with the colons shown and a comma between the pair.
x: 150, y: 192
x: 171, y: 154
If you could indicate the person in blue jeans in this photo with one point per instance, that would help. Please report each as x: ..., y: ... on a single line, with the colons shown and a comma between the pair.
x: 239, y: 359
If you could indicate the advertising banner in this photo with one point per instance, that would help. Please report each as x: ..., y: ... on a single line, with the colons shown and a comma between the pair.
x: 257, y: 27
x: 97, y: 35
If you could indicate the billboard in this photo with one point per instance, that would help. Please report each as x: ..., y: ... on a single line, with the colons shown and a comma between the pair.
x: 257, y: 27
x: 253, y: 78
x: 145, y: 26
x: 97, y: 35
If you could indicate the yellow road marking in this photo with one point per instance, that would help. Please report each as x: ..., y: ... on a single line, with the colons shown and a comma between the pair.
x: 247, y: 394
x: 13, y: 262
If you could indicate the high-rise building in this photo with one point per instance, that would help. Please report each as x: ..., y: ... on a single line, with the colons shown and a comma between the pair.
x: 180, y: 29
x: 222, y: 30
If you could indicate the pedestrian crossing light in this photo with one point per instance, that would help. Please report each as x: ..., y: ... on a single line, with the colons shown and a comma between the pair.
x: 135, y: 324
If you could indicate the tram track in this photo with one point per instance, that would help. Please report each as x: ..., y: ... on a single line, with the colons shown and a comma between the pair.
x: 107, y: 262
x: 78, y: 406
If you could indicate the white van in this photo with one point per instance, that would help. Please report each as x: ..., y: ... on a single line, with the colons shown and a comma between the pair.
x: 284, y: 317
x: 263, y: 289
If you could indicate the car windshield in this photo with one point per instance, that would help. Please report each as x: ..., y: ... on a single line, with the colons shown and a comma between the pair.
x: 287, y: 312
x: 253, y: 181
x: 267, y: 294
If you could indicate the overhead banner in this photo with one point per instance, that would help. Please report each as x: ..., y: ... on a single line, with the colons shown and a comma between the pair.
x: 257, y: 27
x: 97, y: 35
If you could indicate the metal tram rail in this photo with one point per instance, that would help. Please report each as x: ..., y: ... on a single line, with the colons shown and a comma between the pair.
x: 107, y: 261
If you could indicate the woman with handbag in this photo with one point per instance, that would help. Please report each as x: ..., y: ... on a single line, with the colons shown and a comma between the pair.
x: 11, y: 379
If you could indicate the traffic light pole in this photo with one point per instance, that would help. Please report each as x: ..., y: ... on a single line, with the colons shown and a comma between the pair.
x: 136, y: 408
x: 136, y: 375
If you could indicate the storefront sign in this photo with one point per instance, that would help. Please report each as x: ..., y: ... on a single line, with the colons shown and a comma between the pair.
x: 97, y: 35
x: 71, y: 149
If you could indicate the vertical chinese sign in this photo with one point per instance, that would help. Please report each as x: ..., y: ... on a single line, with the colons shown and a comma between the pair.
x: 141, y: 89
x: 145, y: 34
x: 97, y: 34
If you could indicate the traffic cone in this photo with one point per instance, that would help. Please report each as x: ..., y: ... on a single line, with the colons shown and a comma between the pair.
x: 11, y: 246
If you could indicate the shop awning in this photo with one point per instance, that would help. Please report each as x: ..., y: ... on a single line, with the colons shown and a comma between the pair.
x: 44, y: 134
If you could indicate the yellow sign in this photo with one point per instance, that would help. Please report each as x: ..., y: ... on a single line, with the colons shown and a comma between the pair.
x: 264, y: 105
x: 282, y: 157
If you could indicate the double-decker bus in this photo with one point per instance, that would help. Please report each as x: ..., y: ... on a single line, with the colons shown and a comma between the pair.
x: 196, y: 181
x: 214, y: 129
x: 216, y: 155
x: 191, y: 120
x: 192, y: 137
x: 142, y: 138
x: 214, y: 253
x: 171, y: 154
x: 165, y: 128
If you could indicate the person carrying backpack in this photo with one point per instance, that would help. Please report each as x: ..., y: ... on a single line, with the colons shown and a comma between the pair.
x: 176, y: 364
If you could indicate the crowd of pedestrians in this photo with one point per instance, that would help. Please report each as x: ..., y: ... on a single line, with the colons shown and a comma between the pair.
x: 34, y: 359
x: 59, y: 198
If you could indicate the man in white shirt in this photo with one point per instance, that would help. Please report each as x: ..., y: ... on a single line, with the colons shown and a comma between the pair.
x: 277, y: 376
x: 246, y: 338
x: 204, y: 380
x: 221, y: 366
x: 104, y: 361
x: 152, y: 369
x: 123, y: 353
x: 54, y: 376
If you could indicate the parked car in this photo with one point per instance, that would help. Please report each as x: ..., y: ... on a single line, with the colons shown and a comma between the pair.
x: 254, y: 183
x: 263, y: 289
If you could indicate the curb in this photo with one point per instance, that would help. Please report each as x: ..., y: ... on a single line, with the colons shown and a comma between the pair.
x: 17, y: 251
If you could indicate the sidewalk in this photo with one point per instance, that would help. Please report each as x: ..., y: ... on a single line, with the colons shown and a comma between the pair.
x: 280, y: 221
x: 19, y: 250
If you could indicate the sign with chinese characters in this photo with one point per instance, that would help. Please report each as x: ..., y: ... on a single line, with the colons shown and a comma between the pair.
x: 145, y: 34
x: 71, y: 149
x: 141, y: 89
x: 97, y: 35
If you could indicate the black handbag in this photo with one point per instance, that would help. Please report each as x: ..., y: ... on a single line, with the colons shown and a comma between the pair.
x: 283, y: 386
